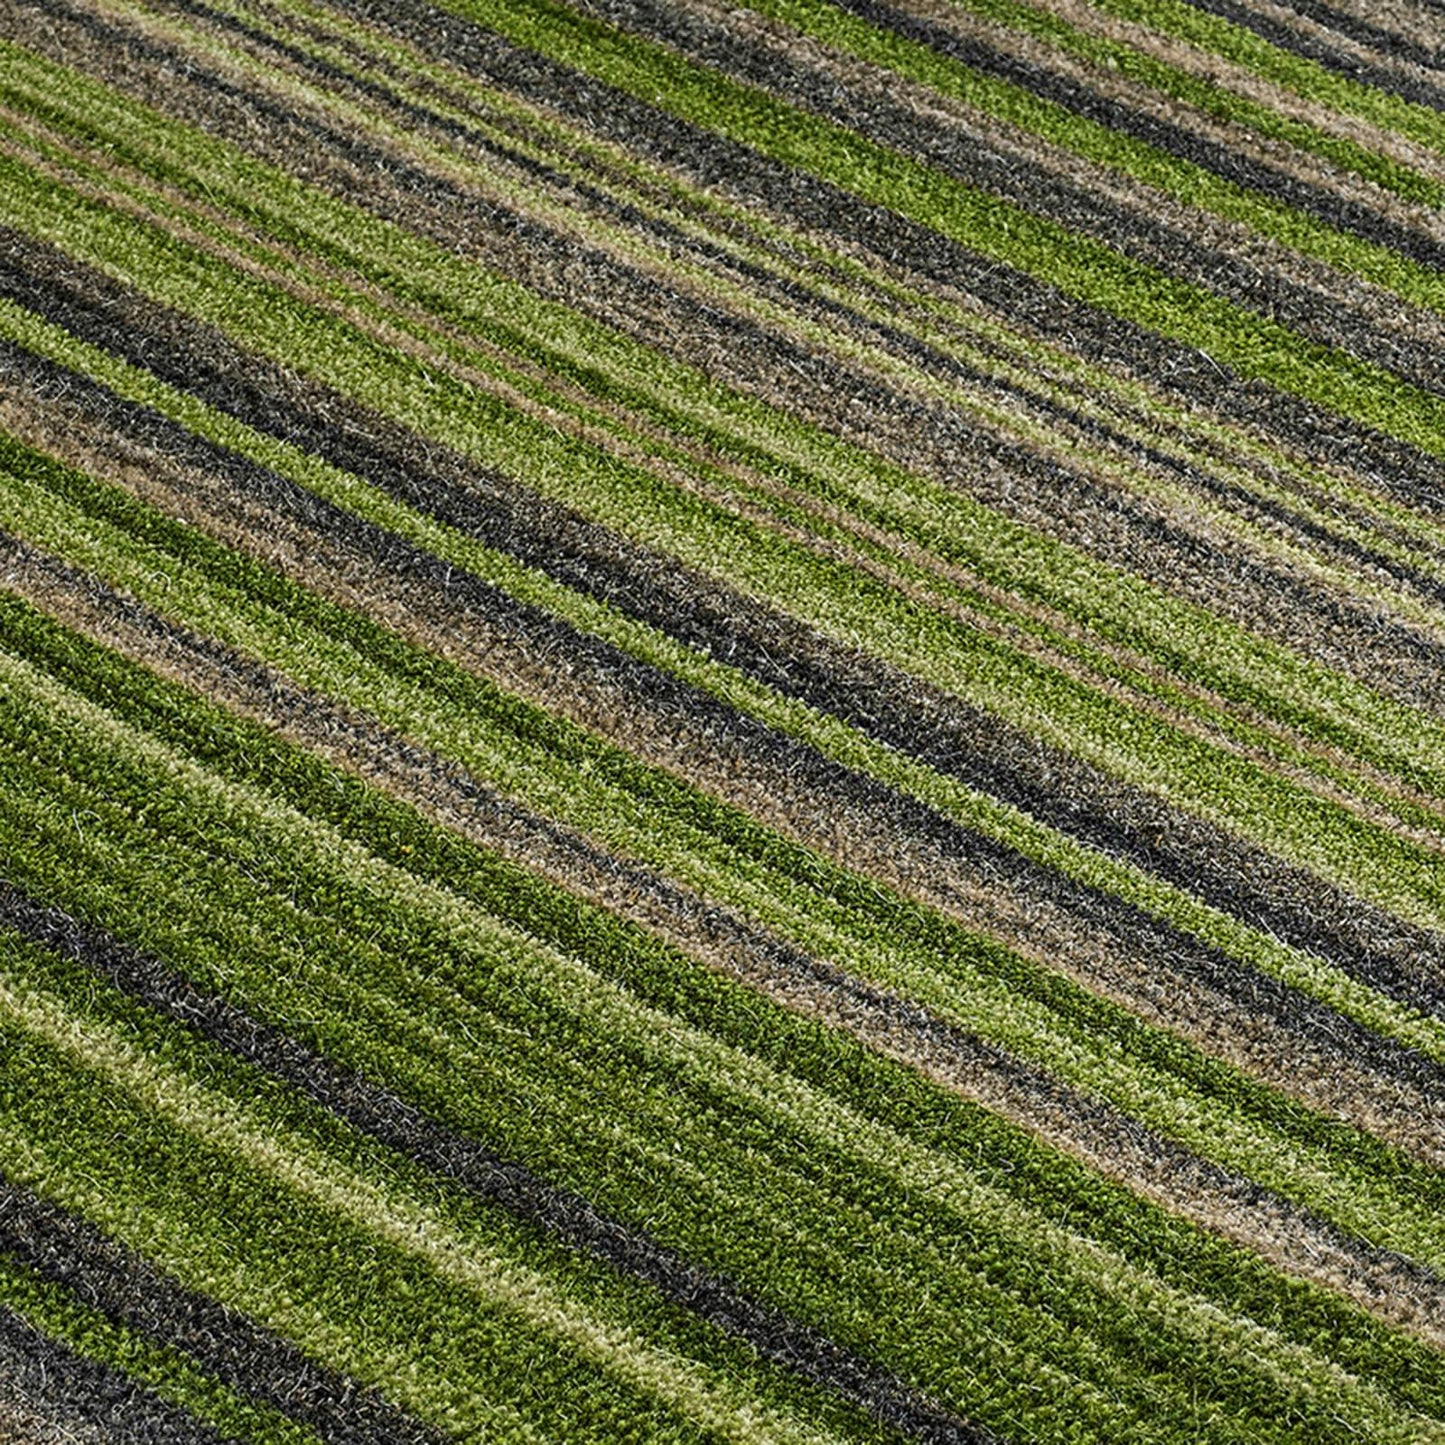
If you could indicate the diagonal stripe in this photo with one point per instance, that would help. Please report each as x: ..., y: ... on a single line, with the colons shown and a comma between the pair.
x: 264, y: 1366
x: 723, y: 721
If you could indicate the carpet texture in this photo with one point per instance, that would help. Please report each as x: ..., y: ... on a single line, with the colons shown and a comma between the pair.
x: 722, y: 721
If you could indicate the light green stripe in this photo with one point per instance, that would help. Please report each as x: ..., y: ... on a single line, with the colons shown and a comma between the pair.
x: 675, y: 1046
x: 835, y: 598
x: 1305, y: 77
x: 1181, y: 179
x: 1205, y: 92
x: 1356, y: 707
x: 168, y: 1372
x: 980, y: 1002
x: 835, y: 739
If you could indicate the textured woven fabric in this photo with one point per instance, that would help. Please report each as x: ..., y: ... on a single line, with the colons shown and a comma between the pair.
x: 722, y: 721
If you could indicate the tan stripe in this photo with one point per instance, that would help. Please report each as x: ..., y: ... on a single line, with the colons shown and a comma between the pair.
x: 1337, y: 290
x: 1412, y: 19
x: 1230, y: 75
x: 400, y: 1220
x: 1242, y: 139
x: 642, y: 455
x: 1346, y: 46
x: 859, y: 840
x: 1380, y: 668
x: 1132, y: 1162
x: 1288, y: 1241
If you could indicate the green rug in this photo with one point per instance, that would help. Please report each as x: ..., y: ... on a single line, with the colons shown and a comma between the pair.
x: 722, y: 721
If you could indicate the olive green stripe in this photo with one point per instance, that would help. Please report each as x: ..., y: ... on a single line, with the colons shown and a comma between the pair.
x: 676, y: 1128
x: 247, y: 753
x: 999, y: 230
x: 1257, y: 695
x: 167, y: 1371
x: 1144, y: 1087
x: 1206, y: 93
x: 482, y: 1305
x: 834, y: 738
x: 1401, y: 876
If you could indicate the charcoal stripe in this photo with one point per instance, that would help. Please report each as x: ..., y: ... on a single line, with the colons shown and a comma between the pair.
x: 958, y: 741
x: 675, y: 704
x: 1327, y: 206
x: 1413, y: 88
x: 130, y: 1291
x: 74, y: 1395
x: 691, y: 835
x: 239, y: 1346
x: 1097, y: 336
x: 1393, y: 43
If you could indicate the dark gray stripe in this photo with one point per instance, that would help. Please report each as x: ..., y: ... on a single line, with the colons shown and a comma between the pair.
x: 699, y: 319
x: 597, y: 665
x: 1127, y: 228
x: 981, y: 751
x: 130, y: 1291
x: 1147, y: 1158
x: 1418, y: 89
x: 1394, y: 43
x: 71, y: 1394
x: 383, y: 1116
x: 712, y: 161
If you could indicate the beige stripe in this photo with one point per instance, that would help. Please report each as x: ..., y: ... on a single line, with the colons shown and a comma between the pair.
x: 1291, y: 1243
x: 856, y: 839
x: 1345, y: 46
x: 1380, y: 668
x: 403, y: 1222
x: 1115, y: 84
x: 1229, y: 75
x: 834, y: 516
x: 1337, y: 289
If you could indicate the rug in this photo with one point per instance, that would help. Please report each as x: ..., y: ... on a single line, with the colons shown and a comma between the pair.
x: 722, y: 721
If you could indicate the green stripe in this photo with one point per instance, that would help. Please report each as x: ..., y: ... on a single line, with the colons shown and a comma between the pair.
x: 421, y: 277
x: 165, y: 1370
x: 851, y: 1066
x: 1065, y: 1028
x: 1082, y: 267
x: 673, y: 1123
x: 835, y: 739
x: 246, y: 753
x: 1176, y: 177
x: 1305, y: 77
x: 1385, y: 867
x: 282, y: 1281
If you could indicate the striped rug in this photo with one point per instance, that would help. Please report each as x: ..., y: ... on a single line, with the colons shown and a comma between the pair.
x: 722, y: 720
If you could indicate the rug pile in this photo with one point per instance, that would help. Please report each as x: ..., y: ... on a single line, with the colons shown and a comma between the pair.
x: 722, y: 721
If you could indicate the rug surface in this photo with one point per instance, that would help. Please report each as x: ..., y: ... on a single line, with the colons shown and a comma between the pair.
x: 722, y: 720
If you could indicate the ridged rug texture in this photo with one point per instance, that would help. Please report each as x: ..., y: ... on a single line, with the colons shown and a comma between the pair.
x: 722, y: 720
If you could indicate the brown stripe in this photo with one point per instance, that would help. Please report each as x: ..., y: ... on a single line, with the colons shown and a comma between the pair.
x: 1052, y: 182
x: 1290, y: 1238
x: 1232, y: 1011
x: 1307, y: 42
x: 982, y: 751
x: 1320, y: 622
x: 709, y: 159
x: 116, y: 1280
